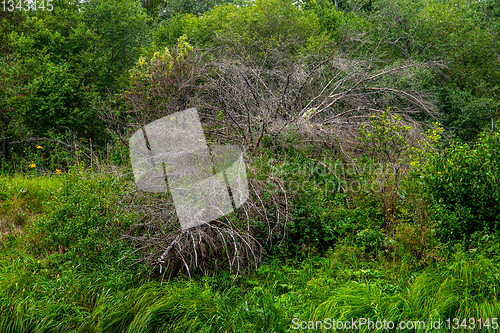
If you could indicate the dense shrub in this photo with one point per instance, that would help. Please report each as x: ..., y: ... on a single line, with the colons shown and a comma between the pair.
x: 83, y: 223
x: 465, y: 183
x: 328, y: 205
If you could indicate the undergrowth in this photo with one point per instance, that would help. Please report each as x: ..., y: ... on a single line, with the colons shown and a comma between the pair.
x: 68, y: 268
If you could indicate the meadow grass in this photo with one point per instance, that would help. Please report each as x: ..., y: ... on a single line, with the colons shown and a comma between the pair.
x: 84, y: 288
x: 35, y: 297
x: 465, y: 288
x: 22, y: 197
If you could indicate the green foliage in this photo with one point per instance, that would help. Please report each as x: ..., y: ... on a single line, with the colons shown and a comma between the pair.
x: 320, y: 196
x: 386, y: 145
x: 44, y: 285
x: 463, y: 289
x: 468, y: 92
x: 313, y: 187
x: 84, y: 289
x: 464, y: 35
x: 465, y: 183
x: 364, y: 234
x: 258, y: 27
x: 398, y: 24
x: 120, y: 27
x: 168, y: 32
x: 338, y: 24
x: 82, y: 222
x: 165, y: 10
x: 386, y: 138
x: 468, y: 112
x: 172, y: 8
x: 160, y: 81
x: 58, y: 64
x: 56, y: 104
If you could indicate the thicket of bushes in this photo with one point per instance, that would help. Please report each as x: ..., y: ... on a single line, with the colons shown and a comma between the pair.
x: 68, y: 269
x: 361, y: 204
x: 464, y: 182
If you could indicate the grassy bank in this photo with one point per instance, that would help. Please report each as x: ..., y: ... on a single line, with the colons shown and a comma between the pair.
x: 62, y: 270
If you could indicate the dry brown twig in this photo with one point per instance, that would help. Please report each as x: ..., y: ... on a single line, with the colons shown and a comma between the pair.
x: 161, y: 242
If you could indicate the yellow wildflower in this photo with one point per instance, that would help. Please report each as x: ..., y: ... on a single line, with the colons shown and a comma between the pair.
x: 58, y: 171
x: 167, y: 54
x: 32, y: 165
x: 141, y: 61
x: 183, y: 48
x: 156, y: 55
x: 39, y: 147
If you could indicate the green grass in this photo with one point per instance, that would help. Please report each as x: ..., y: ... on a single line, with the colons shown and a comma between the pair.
x: 23, y: 197
x: 36, y: 297
x: 62, y: 274
x: 465, y: 288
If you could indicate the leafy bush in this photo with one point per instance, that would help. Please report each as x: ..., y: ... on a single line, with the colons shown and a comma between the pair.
x: 336, y: 22
x: 312, y: 188
x: 82, y: 223
x: 258, y: 28
x: 320, y: 194
x: 465, y: 182
x: 168, y: 32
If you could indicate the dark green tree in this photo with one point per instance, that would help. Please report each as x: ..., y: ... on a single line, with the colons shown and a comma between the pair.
x: 56, y: 64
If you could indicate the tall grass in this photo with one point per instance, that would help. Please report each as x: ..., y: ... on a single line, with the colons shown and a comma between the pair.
x: 22, y: 197
x: 38, y: 296
x: 63, y: 275
x: 466, y: 288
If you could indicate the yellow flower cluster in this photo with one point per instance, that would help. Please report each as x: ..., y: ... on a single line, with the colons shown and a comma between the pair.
x: 142, y: 61
x: 183, y: 48
x: 32, y: 165
x: 58, y: 171
x: 160, y: 62
x: 39, y: 147
x: 164, y: 61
